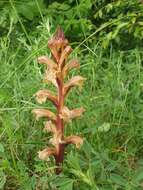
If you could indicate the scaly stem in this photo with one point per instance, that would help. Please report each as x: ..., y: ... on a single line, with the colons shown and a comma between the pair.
x: 60, y: 126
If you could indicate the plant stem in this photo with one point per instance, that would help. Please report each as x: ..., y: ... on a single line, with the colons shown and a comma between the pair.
x: 60, y: 127
x: 60, y: 158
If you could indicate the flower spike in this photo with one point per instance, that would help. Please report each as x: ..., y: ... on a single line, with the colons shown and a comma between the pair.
x: 57, y: 69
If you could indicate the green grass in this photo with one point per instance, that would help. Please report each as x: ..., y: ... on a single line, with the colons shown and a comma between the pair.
x: 111, y: 156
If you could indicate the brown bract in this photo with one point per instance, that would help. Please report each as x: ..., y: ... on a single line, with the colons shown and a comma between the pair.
x: 57, y: 69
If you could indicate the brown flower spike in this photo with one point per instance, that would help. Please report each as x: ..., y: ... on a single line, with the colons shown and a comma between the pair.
x: 57, y: 69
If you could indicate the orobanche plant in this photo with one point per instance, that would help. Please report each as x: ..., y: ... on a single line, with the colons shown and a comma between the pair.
x: 57, y: 70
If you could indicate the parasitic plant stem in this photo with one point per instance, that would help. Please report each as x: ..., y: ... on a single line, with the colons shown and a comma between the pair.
x: 60, y: 127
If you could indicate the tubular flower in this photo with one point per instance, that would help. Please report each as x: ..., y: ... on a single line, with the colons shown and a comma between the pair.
x: 67, y: 115
x: 75, y: 81
x: 44, y: 113
x: 78, y: 141
x: 57, y: 68
x: 43, y: 95
x: 44, y: 154
x: 71, y: 65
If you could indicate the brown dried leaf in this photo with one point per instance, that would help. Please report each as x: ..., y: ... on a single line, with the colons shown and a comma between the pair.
x: 43, y: 95
x: 78, y: 141
x: 44, y: 154
x: 71, y: 65
x: 44, y: 113
x: 75, y: 81
x: 67, y: 115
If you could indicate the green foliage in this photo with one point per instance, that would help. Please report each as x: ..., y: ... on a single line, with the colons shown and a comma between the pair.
x: 111, y: 22
x: 74, y: 19
x: 111, y: 156
x: 123, y: 20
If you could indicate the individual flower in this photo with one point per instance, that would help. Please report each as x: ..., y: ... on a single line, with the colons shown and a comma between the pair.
x: 67, y: 115
x: 78, y: 141
x: 70, y: 65
x: 44, y: 113
x: 43, y: 95
x: 75, y: 81
x: 44, y: 154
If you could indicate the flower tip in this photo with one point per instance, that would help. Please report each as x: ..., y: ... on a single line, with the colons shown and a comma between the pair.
x: 59, y: 34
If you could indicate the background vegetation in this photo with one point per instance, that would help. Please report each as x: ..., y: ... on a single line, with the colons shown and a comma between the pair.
x: 107, y: 38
